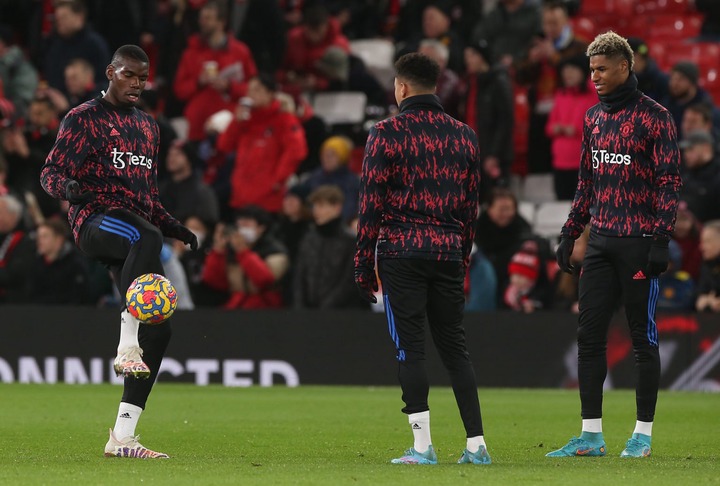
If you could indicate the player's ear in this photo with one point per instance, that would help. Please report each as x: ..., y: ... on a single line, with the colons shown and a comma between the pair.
x: 109, y: 72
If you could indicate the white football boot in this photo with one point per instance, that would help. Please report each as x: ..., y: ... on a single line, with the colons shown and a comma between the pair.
x: 130, y: 447
x: 129, y: 363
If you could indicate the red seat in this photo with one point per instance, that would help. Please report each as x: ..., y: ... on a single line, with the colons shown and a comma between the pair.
x: 591, y: 7
x: 710, y: 80
x: 584, y: 28
x: 662, y: 6
x: 704, y: 54
x: 658, y: 51
x: 674, y: 27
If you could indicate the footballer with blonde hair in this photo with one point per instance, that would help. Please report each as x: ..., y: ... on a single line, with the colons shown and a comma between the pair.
x: 628, y: 190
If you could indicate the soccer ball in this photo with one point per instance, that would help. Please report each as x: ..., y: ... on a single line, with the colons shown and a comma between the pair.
x: 151, y: 298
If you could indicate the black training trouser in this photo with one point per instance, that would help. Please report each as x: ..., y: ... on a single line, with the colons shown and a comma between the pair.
x: 130, y: 246
x: 414, y: 289
x: 614, y: 272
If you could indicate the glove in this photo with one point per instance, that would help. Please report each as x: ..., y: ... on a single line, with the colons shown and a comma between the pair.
x: 74, y: 196
x: 564, y: 250
x: 366, y: 283
x: 183, y: 234
x: 658, y: 256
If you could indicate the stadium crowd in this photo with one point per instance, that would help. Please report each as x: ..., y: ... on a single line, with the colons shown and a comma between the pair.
x: 253, y: 164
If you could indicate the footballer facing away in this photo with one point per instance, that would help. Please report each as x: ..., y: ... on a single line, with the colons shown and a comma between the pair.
x: 104, y: 163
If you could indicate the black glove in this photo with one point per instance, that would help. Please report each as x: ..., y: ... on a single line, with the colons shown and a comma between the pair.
x: 658, y: 256
x: 74, y: 196
x: 366, y: 283
x: 183, y: 234
x: 564, y: 250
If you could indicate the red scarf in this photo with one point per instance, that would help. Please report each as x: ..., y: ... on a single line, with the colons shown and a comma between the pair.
x: 8, y: 244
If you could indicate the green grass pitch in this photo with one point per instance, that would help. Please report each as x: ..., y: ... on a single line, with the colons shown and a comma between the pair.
x: 55, y: 434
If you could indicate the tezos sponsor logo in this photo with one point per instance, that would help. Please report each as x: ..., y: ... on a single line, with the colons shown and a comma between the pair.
x: 123, y: 159
x: 605, y: 157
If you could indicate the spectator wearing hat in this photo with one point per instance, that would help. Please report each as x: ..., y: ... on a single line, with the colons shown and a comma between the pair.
x: 449, y: 86
x: 683, y: 91
x: 565, y: 123
x: 701, y: 175
x: 346, y: 72
x: 184, y: 194
x: 489, y: 111
x: 324, y: 271
x: 526, y: 291
x: 334, y: 156
x: 651, y: 79
x: 246, y: 262
x: 18, y: 79
x: 437, y: 25
x: 214, y: 69
x: 539, y: 71
x: 269, y: 144
x: 306, y: 45
x: 708, y: 288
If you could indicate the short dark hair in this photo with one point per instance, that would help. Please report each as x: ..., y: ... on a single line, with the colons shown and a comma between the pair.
x: 76, y: 6
x: 315, y: 16
x: 328, y: 193
x: 502, y: 193
x: 57, y: 226
x: 418, y: 70
x: 44, y: 100
x: 129, y: 51
x: 257, y: 213
x: 221, y: 9
x: 268, y: 81
x: 703, y: 108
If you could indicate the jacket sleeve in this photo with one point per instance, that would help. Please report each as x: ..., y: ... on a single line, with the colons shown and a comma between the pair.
x: 472, y: 196
x: 373, y: 190
x: 667, y: 174
x: 255, y: 269
x: 72, y: 145
x: 580, y: 211
x: 186, y: 78
x: 214, y: 273
x: 228, y: 140
x: 294, y: 149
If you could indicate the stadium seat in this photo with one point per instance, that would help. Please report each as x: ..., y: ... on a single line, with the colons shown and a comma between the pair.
x: 526, y: 209
x: 673, y: 27
x: 657, y: 50
x: 378, y: 56
x: 181, y: 127
x: 704, y: 54
x: 550, y: 217
x: 344, y: 107
x: 584, y: 28
x: 538, y: 188
x: 710, y: 81
x: 662, y: 6
x: 592, y: 7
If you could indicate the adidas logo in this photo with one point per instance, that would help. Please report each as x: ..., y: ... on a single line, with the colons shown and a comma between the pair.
x: 416, y: 426
x: 125, y: 415
x: 596, y: 130
x: 114, y: 133
x: 639, y: 276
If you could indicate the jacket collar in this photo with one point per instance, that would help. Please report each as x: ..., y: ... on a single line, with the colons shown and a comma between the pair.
x: 419, y: 102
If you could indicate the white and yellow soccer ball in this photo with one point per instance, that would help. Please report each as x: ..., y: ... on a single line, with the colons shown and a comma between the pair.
x: 151, y: 298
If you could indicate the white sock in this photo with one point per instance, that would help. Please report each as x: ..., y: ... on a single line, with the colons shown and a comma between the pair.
x: 592, y: 425
x: 420, y: 424
x: 128, y: 331
x: 474, y: 443
x: 126, y: 421
x: 644, y: 428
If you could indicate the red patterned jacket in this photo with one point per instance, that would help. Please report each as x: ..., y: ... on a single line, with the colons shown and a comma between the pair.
x: 419, y: 189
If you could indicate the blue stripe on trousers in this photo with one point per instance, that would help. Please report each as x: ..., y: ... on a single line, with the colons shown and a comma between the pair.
x: 652, y: 333
x: 122, y: 224
x: 392, y: 329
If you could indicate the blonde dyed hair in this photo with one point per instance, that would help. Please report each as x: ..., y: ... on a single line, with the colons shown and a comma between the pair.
x: 613, y: 46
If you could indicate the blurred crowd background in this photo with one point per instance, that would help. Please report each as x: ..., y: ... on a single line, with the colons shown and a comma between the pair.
x: 264, y: 107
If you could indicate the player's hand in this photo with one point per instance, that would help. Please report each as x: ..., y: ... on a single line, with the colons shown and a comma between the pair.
x: 564, y: 250
x: 75, y: 196
x: 183, y: 234
x: 366, y: 283
x: 658, y: 256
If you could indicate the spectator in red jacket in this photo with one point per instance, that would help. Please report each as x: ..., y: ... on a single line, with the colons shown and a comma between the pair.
x: 247, y: 262
x: 214, y: 69
x: 269, y: 144
x: 306, y: 45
